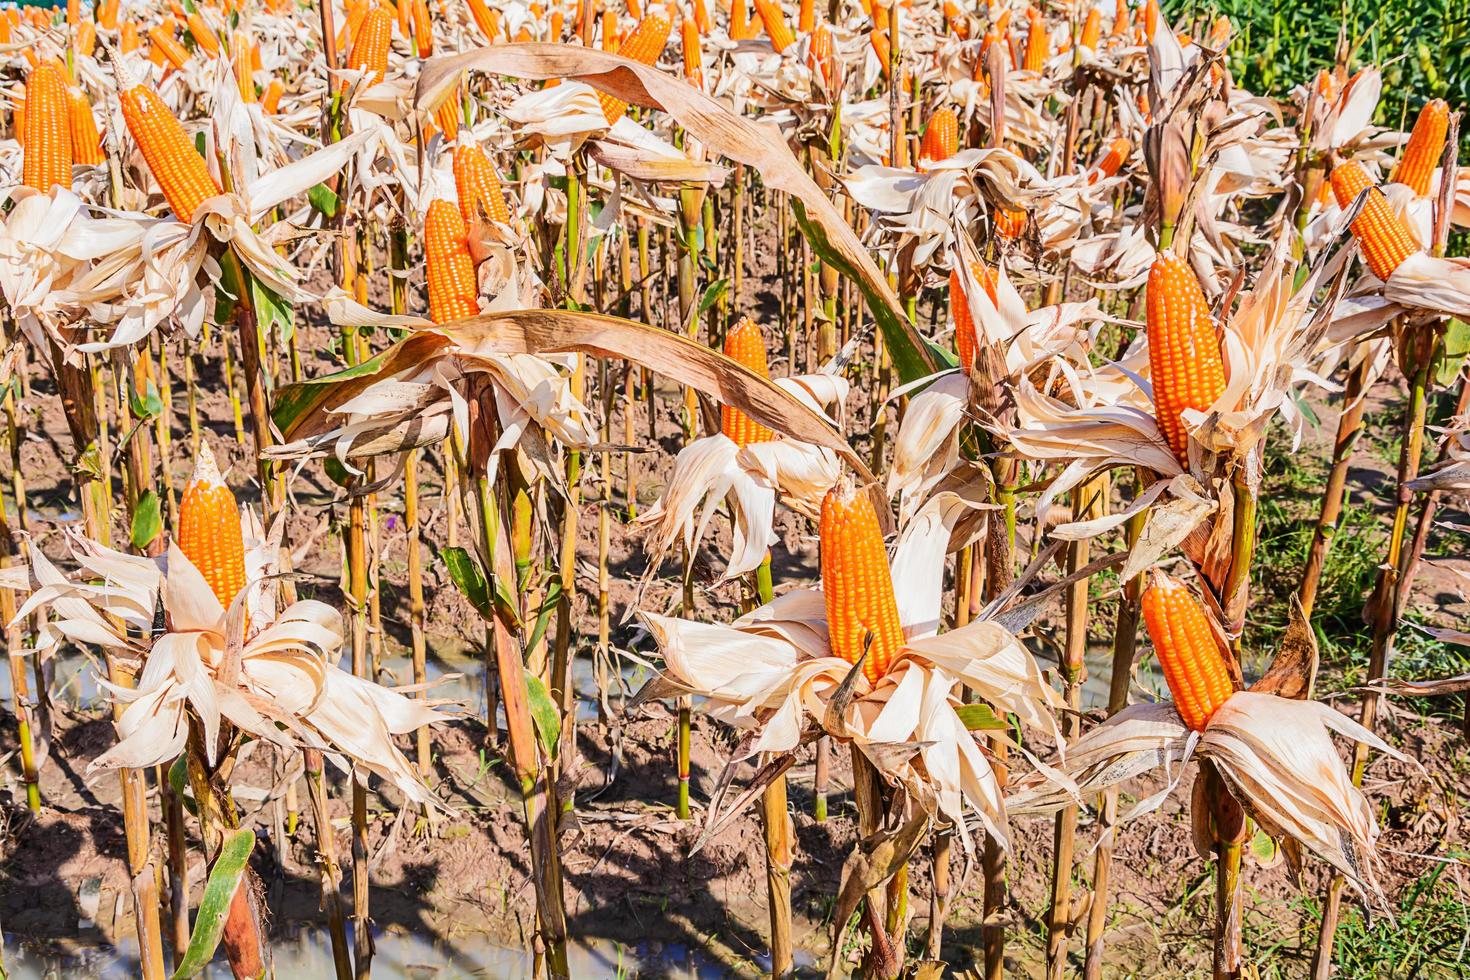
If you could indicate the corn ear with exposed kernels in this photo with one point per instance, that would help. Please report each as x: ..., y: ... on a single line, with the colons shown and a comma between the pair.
x: 1189, y: 651
x: 1184, y: 359
x: 857, y: 584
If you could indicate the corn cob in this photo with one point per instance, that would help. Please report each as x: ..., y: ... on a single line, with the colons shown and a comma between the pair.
x: 1382, y: 235
x: 480, y: 194
x: 879, y: 40
x: 402, y: 13
x: 73, y: 13
x: 635, y: 10
x: 1183, y: 349
x: 941, y: 136
x: 1009, y: 223
x: 179, y: 169
x: 86, y: 38
x: 86, y: 141
x: 1112, y: 159
x: 487, y: 20
x: 107, y: 15
x: 7, y: 30
x: 1150, y: 19
x: 209, y: 532
x: 203, y: 36
x: 1425, y: 147
x: 819, y: 55
x: 806, y: 17
x: 701, y: 18
x: 644, y: 45
x: 955, y: 20
x: 47, y: 128
x: 271, y: 100
x: 1038, y: 45
x: 558, y: 26
x: 168, y: 47
x: 1189, y: 651
x: 352, y: 27
x: 966, y: 338
x: 689, y: 48
x: 423, y: 28
x: 453, y: 292
x: 1091, y: 29
x: 610, y: 38
x: 774, y: 21
x: 745, y: 344
x: 739, y: 21
x: 862, y: 614
x: 240, y: 63
x: 128, y: 39
x: 369, y: 51
x: 448, y: 115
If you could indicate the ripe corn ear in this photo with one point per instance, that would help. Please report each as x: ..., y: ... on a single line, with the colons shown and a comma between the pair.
x: 862, y: 614
x: 1112, y: 159
x: 1091, y: 29
x: 478, y: 186
x: 644, y: 45
x: 209, y: 532
x: 966, y: 339
x: 1183, y: 349
x: 47, y: 128
x: 1038, y: 45
x: 167, y: 47
x: 745, y: 345
x: 179, y: 169
x: 86, y: 141
x: 1425, y: 147
x: 1189, y: 651
x: 774, y: 21
x: 941, y: 136
x: 453, y: 292
x: 370, y: 47
x: 1382, y: 235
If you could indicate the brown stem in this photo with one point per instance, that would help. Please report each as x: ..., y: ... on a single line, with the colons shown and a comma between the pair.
x: 1349, y: 424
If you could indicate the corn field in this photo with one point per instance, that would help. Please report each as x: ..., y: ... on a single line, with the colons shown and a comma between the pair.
x: 890, y: 488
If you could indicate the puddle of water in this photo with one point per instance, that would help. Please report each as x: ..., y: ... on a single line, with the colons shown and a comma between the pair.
x: 308, y: 953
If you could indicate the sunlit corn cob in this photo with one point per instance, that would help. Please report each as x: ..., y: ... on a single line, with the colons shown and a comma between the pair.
x: 862, y: 614
x: 610, y: 38
x: 1009, y: 223
x: 1038, y: 45
x: 128, y: 39
x: 1189, y: 651
x: 774, y: 21
x: 1150, y: 18
x: 955, y: 20
x: 1425, y: 147
x: 1325, y: 86
x: 453, y: 290
x: 47, y: 128
x: 701, y: 17
x: 487, y: 20
x: 1112, y: 159
x: 739, y: 21
x: 941, y: 136
x: 745, y: 344
x: 806, y: 17
x: 966, y: 339
x: 879, y: 40
x: 402, y: 12
x: 1091, y: 29
x: 423, y: 28
x: 168, y: 47
x: 209, y: 532
x: 1183, y: 349
x: 370, y: 47
x: 819, y: 55
x: 271, y: 100
x: 448, y: 116
x: 86, y: 38
x: 1382, y: 235
x: 73, y: 13
x: 352, y: 26
x: 478, y: 186
x: 558, y: 25
x: 179, y: 169
x: 644, y: 45
x: 86, y: 141
x: 240, y: 64
x: 991, y: 38
x: 203, y: 36
x: 7, y: 30
x: 690, y: 49
x: 107, y: 14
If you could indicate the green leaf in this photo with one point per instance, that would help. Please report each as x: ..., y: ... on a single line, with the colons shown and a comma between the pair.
x: 149, y: 406
x: 979, y: 717
x: 913, y: 356
x: 467, y: 577
x: 323, y: 199
x: 296, y: 400
x: 337, y: 473
x: 713, y: 293
x: 271, y: 310
x: 543, y: 615
x: 1456, y: 350
x: 178, y: 779
x: 544, y: 714
x: 226, y: 293
x: 209, y: 924
x: 147, y: 520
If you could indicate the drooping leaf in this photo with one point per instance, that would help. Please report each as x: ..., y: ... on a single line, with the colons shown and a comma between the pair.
x: 323, y: 199
x: 469, y: 579
x: 980, y: 718
x: 544, y: 714
x: 219, y: 892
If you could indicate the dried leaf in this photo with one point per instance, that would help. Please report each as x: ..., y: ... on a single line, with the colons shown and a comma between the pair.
x: 872, y: 862
x: 1294, y: 669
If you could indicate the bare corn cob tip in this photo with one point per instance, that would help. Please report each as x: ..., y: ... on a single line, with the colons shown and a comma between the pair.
x: 209, y: 532
x: 689, y: 48
x: 1425, y: 147
x: 86, y: 141
x: 1038, y: 44
x: 1189, y: 651
x: 423, y: 28
x: 941, y: 136
x: 203, y: 35
x: 1382, y: 235
x: 478, y: 185
x: 1183, y: 349
x: 745, y: 344
x: 369, y: 51
x: 487, y: 20
x: 862, y: 614
x: 453, y: 290
x: 806, y: 16
x: 271, y: 100
x: 167, y: 47
x: 966, y: 339
x: 644, y: 45
x: 178, y: 168
x: 774, y: 21
x: 819, y: 55
x: 1091, y: 29
x: 1112, y: 159
x: 46, y: 128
